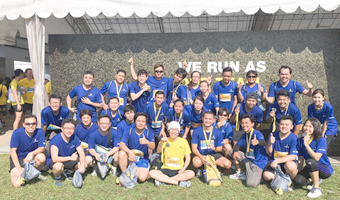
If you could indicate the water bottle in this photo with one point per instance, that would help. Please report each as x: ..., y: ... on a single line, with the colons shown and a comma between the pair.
x: 205, y: 175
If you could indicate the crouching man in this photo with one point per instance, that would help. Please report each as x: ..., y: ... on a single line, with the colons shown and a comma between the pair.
x: 173, y: 149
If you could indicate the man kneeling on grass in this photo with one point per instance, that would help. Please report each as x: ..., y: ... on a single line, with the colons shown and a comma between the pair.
x: 27, y: 144
x: 66, y: 151
x: 173, y: 149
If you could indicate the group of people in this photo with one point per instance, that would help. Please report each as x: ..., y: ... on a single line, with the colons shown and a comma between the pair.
x: 160, y: 115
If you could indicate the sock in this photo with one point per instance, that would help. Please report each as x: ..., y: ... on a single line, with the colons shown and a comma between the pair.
x: 58, y: 177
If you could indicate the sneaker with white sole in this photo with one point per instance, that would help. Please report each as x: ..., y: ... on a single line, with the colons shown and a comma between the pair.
x: 114, y: 171
x: 238, y: 175
x: 42, y: 177
x: 57, y: 182
x: 94, y: 172
x: 185, y: 184
x: 158, y: 183
x: 314, y: 193
x: 310, y: 187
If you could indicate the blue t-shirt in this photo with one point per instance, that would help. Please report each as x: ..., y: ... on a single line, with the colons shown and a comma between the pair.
x: 180, y: 91
x: 211, y: 102
x: 122, y: 126
x: 193, y: 92
x: 293, y: 111
x: 199, y: 139
x: 318, y: 146
x: 26, y: 144
x: 96, y: 138
x: 225, y: 94
x: 111, y: 88
x: 94, y: 96
x: 156, y: 85
x: 281, y: 148
x: 245, y: 89
x: 116, y: 119
x: 183, y: 120
x: 259, y: 153
x: 256, y: 112
x: 131, y: 139
x: 47, y: 116
x: 142, y: 100
x: 65, y: 149
x: 195, y: 119
x: 155, y: 126
x: 325, y: 114
x: 292, y: 88
x: 226, y: 130
x: 84, y: 134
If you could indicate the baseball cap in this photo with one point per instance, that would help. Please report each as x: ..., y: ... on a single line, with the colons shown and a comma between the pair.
x: 251, y: 95
x: 48, y: 77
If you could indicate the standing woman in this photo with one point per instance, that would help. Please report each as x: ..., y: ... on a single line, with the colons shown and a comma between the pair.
x: 313, y: 149
x: 210, y: 101
x: 196, y: 112
x: 324, y: 112
x: 193, y: 88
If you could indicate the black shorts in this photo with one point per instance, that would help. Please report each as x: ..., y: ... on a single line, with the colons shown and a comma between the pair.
x: 11, y: 164
x: 268, y: 168
x: 28, y: 107
x: 215, y: 155
x: 169, y: 172
x: 16, y: 108
x: 67, y: 165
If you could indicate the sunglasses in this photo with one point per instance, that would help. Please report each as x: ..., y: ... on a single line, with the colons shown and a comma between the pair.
x: 224, y: 115
x: 158, y: 71
x: 251, y: 76
x: 30, y: 124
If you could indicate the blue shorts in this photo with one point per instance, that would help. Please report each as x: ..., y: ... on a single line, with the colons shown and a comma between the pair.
x: 144, y: 163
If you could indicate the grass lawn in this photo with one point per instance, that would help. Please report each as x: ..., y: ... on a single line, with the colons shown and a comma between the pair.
x: 95, y: 188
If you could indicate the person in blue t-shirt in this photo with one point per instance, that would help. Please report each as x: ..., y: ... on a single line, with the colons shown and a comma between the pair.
x: 210, y: 101
x: 249, y: 107
x: 85, y: 129
x: 313, y: 152
x: 99, y: 144
x: 66, y: 152
x: 283, y: 107
x: 116, y: 88
x: 135, y: 146
x: 207, y: 140
x: 324, y: 112
x: 254, y: 156
x: 114, y: 111
x: 179, y: 114
x: 53, y: 115
x: 226, y: 130
x: 196, y: 111
x: 88, y: 97
x: 283, y: 150
x: 127, y: 123
x: 175, y: 88
x: 27, y: 144
x: 193, y: 88
x: 226, y: 90
x: 285, y: 83
x: 156, y: 111
x: 252, y: 86
x: 140, y: 91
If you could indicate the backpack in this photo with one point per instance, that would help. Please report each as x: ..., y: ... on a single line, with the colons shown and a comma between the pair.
x: 211, y: 175
x: 10, y: 93
x: 281, y: 181
x: 128, y: 178
x: 261, y: 105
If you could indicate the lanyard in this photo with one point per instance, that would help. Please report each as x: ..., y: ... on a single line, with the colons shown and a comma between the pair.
x: 248, y: 140
x: 205, y: 135
x: 118, y: 91
x: 156, y: 115
x: 174, y: 90
x: 287, y: 109
x: 237, y: 122
x: 310, y: 140
x: 180, y: 117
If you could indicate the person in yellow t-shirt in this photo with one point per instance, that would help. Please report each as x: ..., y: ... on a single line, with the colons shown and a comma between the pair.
x: 3, y: 100
x: 28, y: 83
x: 173, y: 149
x: 19, y: 101
x: 48, y: 84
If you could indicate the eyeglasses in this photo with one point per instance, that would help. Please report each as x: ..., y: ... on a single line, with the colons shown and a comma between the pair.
x: 159, y: 71
x: 30, y: 124
x: 224, y: 115
x: 251, y: 76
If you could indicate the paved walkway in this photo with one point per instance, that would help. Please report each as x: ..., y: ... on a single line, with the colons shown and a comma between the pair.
x: 5, y: 141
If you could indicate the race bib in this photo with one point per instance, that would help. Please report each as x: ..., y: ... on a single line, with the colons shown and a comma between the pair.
x: 138, y: 153
x: 84, y: 145
x: 195, y: 125
x: 181, y: 128
x: 121, y: 101
x: 30, y: 89
x: 205, y: 146
x: 250, y: 154
x: 225, y: 97
x: 156, y: 124
x: 278, y: 154
x: 173, y: 162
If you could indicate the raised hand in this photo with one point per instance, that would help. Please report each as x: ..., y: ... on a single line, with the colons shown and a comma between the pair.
x: 185, y: 64
x: 306, y: 140
x: 254, y: 141
x: 131, y: 61
x: 272, y: 138
x: 309, y: 85
x: 209, y: 79
x: 143, y: 140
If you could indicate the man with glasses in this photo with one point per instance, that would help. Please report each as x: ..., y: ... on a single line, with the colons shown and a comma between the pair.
x: 285, y: 83
x: 27, y: 144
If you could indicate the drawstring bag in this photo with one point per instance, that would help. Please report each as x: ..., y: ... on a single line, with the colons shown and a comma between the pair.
x: 281, y: 181
x: 103, y: 168
x: 30, y: 172
x: 77, y: 180
x: 128, y: 179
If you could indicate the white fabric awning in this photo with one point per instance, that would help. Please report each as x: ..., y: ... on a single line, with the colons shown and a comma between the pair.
x: 12, y: 9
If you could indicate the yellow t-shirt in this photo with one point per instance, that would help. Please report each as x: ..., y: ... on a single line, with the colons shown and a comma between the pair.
x: 29, y: 86
x: 3, y: 98
x: 14, y: 85
x: 173, y: 156
x: 48, y: 88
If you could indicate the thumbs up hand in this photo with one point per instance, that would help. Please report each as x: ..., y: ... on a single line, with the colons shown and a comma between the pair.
x: 254, y: 141
x: 143, y: 140
x: 272, y: 138
x: 309, y: 85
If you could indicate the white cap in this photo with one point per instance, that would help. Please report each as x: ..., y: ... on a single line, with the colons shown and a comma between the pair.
x: 48, y: 77
x: 174, y: 124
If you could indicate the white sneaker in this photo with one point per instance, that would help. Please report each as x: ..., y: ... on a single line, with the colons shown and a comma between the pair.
x: 158, y: 183
x: 238, y: 175
x: 114, y: 171
x: 314, y: 193
x: 310, y: 187
x: 94, y: 173
x: 42, y: 177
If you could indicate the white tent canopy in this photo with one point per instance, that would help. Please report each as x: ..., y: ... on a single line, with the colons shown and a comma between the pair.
x: 12, y: 9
